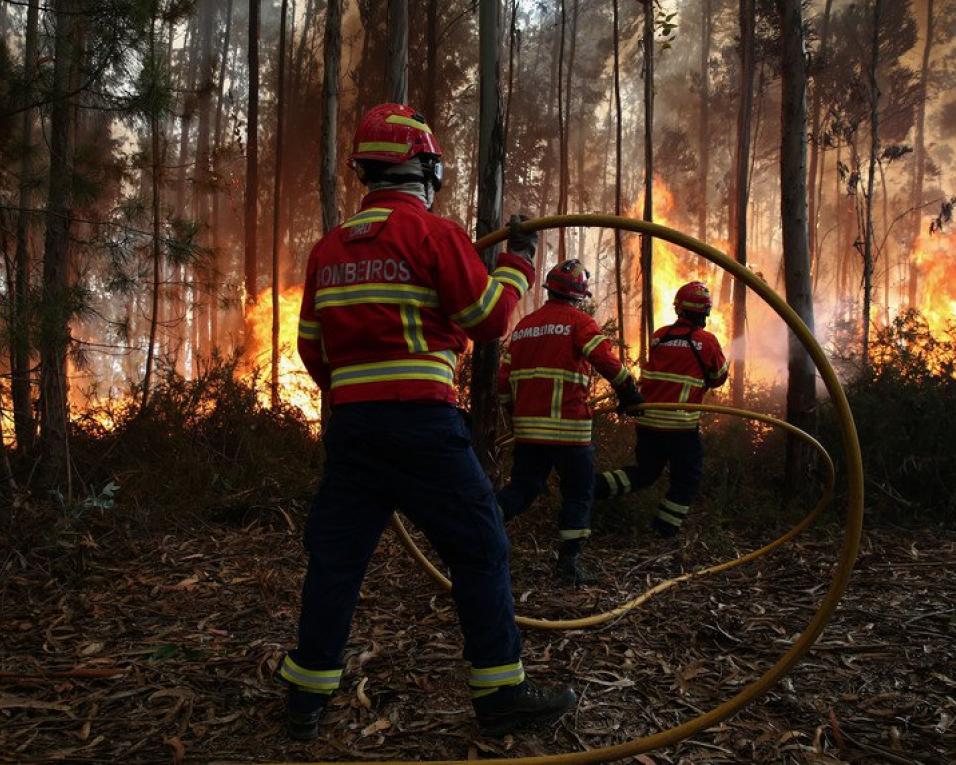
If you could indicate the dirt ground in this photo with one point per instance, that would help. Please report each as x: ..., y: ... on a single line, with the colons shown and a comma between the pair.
x: 162, y: 649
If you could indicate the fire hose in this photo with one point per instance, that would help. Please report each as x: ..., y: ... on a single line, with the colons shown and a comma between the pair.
x: 854, y: 516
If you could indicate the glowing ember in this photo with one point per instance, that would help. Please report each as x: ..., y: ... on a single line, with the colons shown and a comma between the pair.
x: 296, y: 388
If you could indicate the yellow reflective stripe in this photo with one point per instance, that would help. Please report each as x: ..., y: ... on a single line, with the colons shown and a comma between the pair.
x: 620, y: 377
x: 557, y: 397
x: 412, y: 329
x: 723, y: 369
x: 376, y: 292
x: 669, y: 517
x: 574, y: 533
x: 390, y: 371
x: 623, y: 480
x: 495, y: 677
x: 550, y: 373
x: 665, y: 425
x: 398, y: 119
x: 674, y: 507
x: 670, y: 377
x: 316, y: 681
x: 481, y: 309
x: 309, y: 330
x: 504, y: 398
x: 449, y: 357
x: 552, y: 429
x: 550, y: 437
x: 368, y: 215
x: 512, y: 276
x: 593, y: 343
x: 582, y: 425
x: 401, y: 148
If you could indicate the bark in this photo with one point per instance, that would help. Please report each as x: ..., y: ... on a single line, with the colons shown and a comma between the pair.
x: 919, y: 150
x: 647, y: 242
x: 547, y: 175
x: 490, y: 162
x: 815, y: 140
x: 618, y: 180
x: 202, y: 183
x: 217, y: 265
x: 55, y: 318
x: 23, y: 423
x: 252, y: 160
x: 512, y: 34
x: 703, y: 132
x: 398, y: 51
x: 332, y: 53
x: 156, y: 181
x: 562, y: 154
x: 277, y: 202
x: 191, y: 63
x: 801, y: 377
x: 431, y: 62
x: 870, y: 178
x: 740, y: 198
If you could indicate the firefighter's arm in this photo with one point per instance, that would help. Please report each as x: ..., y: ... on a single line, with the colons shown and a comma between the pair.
x: 717, y: 365
x: 481, y: 304
x: 310, y: 345
x: 598, y: 349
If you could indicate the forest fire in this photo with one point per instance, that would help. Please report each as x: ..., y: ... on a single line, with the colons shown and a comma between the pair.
x: 296, y: 388
x: 936, y: 258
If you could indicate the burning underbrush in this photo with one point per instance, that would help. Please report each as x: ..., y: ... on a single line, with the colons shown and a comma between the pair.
x: 207, y: 445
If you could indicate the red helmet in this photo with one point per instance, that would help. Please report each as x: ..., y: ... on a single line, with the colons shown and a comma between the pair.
x: 569, y: 279
x: 392, y: 133
x: 693, y: 297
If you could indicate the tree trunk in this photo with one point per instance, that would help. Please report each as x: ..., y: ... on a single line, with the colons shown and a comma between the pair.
x: 332, y: 53
x: 252, y: 159
x: 740, y: 197
x: 703, y: 132
x: 491, y: 171
x: 562, y: 138
x: 217, y: 264
x: 156, y: 185
x: 647, y: 242
x: 815, y: 140
x: 870, y: 178
x: 23, y: 423
x: 204, y: 291
x: 801, y: 374
x: 277, y: 204
x: 430, y: 103
x: 512, y: 34
x: 398, y: 51
x: 618, y: 181
x: 55, y: 312
x: 919, y: 164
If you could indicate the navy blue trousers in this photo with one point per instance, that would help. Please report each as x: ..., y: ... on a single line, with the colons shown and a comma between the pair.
x: 681, y: 451
x: 533, y: 464
x: 417, y: 458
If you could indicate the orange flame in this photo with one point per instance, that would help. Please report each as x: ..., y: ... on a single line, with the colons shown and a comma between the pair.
x: 936, y: 258
x: 296, y: 387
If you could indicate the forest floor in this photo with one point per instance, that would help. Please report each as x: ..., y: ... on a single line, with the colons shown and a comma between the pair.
x: 143, y: 648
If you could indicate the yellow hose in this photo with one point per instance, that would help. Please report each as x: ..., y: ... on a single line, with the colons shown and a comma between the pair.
x: 602, y: 618
x: 854, y: 517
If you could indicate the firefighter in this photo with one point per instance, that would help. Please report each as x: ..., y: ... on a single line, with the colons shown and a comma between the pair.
x: 684, y: 361
x: 391, y: 297
x: 544, y: 381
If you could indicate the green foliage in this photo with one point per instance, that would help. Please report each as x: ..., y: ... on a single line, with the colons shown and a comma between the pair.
x: 903, y: 405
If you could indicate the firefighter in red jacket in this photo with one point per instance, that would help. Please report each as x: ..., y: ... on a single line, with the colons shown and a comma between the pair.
x: 391, y: 298
x: 544, y: 380
x: 684, y: 362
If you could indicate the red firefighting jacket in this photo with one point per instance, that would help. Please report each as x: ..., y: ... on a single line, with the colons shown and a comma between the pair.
x: 392, y: 296
x: 677, y: 371
x: 545, y: 374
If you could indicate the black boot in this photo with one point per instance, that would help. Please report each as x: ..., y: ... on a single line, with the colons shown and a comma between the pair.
x: 304, y: 711
x: 570, y: 571
x: 520, y: 706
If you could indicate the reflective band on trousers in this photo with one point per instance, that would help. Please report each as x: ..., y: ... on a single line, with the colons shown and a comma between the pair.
x: 574, y: 533
x: 314, y: 681
x: 485, y: 680
x: 617, y: 481
x: 401, y: 369
x: 672, y: 513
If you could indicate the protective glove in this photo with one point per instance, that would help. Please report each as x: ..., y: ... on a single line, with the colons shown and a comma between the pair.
x: 523, y: 243
x: 628, y: 396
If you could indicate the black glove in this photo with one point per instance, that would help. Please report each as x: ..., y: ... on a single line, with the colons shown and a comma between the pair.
x: 523, y: 243
x: 627, y: 396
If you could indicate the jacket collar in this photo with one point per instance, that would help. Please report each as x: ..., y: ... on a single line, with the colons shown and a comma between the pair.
x: 391, y: 198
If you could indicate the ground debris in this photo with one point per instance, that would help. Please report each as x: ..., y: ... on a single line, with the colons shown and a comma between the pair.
x: 163, y: 650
